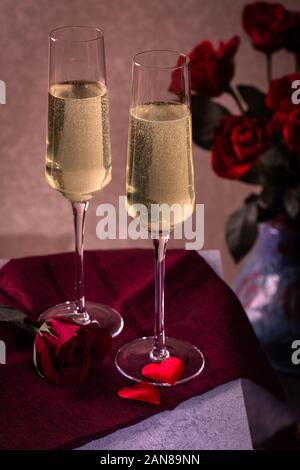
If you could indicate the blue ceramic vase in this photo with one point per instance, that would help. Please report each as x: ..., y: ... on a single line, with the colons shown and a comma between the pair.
x: 268, y: 287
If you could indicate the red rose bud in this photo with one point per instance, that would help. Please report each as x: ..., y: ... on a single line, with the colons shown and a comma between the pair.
x: 177, y: 78
x: 238, y: 144
x: 279, y: 97
x: 291, y: 130
x: 64, y: 350
x: 211, y: 69
x: 268, y: 25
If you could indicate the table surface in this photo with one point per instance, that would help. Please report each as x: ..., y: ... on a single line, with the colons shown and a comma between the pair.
x: 214, y: 420
x: 226, y: 417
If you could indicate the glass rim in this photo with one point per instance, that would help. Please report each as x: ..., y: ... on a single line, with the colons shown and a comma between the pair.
x: 157, y: 67
x: 98, y: 31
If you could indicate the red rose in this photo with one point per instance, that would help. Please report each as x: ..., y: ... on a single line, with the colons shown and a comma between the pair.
x: 211, y: 69
x: 285, y: 119
x: 275, y: 124
x: 268, y: 25
x: 64, y: 350
x: 291, y: 130
x: 287, y: 125
x: 279, y: 97
x: 239, y: 142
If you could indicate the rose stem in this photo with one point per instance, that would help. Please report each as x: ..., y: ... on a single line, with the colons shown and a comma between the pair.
x: 236, y: 98
x: 269, y: 68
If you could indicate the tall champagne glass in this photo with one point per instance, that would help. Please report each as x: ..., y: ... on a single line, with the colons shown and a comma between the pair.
x: 78, y: 159
x: 159, y: 173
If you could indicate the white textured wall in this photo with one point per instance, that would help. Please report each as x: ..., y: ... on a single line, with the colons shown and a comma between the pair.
x: 33, y: 218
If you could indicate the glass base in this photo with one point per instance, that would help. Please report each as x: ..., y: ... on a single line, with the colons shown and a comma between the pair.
x: 106, y: 316
x: 132, y: 357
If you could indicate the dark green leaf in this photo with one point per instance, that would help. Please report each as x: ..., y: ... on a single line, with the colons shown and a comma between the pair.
x: 269, y: 204
x: 277, y: 169
x: 9, y: 314
x: 253, y: 176
x: 242, y: 229
x: 207, y: 115
x: 254, y: 98
x: 291, y: 201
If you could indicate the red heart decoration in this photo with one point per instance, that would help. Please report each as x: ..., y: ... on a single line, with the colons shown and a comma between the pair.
x: 142, y: 391
x: 167, y: 371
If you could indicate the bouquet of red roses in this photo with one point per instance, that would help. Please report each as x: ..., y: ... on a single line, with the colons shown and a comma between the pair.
x: 260, y: 145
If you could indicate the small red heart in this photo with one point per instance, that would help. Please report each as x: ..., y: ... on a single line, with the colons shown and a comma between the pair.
x: 142, y: 391
x: 167, y: 371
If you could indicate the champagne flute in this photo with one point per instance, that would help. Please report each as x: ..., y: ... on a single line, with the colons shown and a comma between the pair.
x: 159, y: 173
x: 78, y: 160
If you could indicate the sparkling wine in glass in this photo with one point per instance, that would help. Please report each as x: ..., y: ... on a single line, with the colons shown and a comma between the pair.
x: 159, y: 173
x: 78, y: 159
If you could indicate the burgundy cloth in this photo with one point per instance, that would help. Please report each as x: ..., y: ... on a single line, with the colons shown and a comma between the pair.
x: 199, y: 308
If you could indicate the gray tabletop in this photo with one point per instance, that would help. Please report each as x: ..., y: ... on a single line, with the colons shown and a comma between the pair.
x: 215, y: 420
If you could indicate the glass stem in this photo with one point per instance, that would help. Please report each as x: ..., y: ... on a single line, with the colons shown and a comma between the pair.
x: 79, y: 211
x: 159, y: 351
